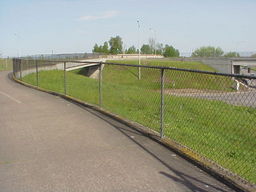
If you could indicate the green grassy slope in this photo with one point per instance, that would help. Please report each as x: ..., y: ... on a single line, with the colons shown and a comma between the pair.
x: 165, y: 63
x: 173, y: 79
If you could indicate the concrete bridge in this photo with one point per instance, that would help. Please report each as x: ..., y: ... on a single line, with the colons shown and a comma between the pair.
x: 244, y: 66
x: 92, y: 68
x: 28, y: 67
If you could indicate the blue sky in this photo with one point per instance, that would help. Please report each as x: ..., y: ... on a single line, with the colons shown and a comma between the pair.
x: 30, y: 27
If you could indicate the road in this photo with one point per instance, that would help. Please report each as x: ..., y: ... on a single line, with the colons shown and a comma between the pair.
x: 49, y: 144
x: 239, y: 98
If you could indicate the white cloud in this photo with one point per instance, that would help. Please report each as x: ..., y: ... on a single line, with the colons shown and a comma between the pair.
x: 105, y: 15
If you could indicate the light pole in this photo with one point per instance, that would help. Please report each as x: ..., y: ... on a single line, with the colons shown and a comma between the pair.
x: 139, y: 72
x: 17, y: 44
x: 154, y: 31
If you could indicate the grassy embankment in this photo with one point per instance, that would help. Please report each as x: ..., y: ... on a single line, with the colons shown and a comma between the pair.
x: 221, y: 132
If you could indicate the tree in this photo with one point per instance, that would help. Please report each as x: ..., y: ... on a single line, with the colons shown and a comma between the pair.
x: 116, y: 45
x: 95, y: 48
x: 100, y: 49
x: 145, y: 49
x: 131, y: 50
x: 208, y: 52
x: 105, y: 48
x: 170, y: 51
x: 232, y: 54
x: 159, y: 48
x: 254, y: 55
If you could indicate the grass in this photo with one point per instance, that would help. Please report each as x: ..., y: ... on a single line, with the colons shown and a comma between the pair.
x: 5, y: 64
x: 221, y: 132
x: 166, y: 63
x: 173, y: 79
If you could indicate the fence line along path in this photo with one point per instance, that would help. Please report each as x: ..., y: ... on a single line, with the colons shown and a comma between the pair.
x: 49, y: 144
x: 210, y: 114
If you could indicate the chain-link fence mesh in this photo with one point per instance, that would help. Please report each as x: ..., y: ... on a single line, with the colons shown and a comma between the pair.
x: 207, y: 114
x: 5, y: 64
x: 51, y: 75
x: 81, y: 84
x: 211, y: 114
x: 124, y: 94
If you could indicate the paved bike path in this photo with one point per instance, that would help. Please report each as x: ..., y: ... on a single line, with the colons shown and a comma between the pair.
x: 49, y: 144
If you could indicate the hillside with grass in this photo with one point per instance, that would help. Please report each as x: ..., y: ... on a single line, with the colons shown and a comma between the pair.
x: 150, y: 78
x: 168, y: 63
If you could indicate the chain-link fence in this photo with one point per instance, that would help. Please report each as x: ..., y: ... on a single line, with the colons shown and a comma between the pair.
x: 5, y: 64
x: 211, y: 114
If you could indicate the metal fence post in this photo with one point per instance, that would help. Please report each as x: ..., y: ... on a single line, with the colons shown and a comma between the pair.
x: 14, y: 67
x: 162, y: 105
x: 37, y: 82
x: 6, y: 60
x: 20, y: 69
x: 65, y: 82
x: 100, y: 84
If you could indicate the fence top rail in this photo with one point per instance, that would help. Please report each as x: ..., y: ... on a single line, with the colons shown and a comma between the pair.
x: 185, y: 70
x: 149, y: 67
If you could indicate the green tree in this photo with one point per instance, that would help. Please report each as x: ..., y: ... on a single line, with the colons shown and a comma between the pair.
x: 145, y: 49
x: 232, y: 54
x: 254, y: 55
x: 170, y: 51
x: 100, y: 50
x: 105, y: 48
x: 131, y: 50
x: 95, y: 48
x: 159, y: 48
x: 116, y: 45
x: 208, y: 51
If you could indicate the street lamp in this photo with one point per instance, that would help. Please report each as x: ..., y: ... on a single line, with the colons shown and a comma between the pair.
x: 17, y: 44
x: 154, y: 31
x: 139, y: 72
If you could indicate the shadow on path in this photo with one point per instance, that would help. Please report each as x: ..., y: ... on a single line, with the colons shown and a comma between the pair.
x: 190, y: 182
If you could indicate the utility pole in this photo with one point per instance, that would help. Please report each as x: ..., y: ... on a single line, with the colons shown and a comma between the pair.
x: 154, y: 37
x: 6, y: 60
x: 17, y: 44
x: 139, y: 72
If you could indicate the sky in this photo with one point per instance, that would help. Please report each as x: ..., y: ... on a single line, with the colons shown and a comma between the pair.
x: 30, y: 27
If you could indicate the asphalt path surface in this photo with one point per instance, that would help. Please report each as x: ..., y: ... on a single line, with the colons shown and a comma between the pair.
x: 49, y: 144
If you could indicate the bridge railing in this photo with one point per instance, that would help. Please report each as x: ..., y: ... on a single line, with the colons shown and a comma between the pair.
x: 207, y: 116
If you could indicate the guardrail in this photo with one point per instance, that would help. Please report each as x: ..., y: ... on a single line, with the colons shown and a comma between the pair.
x: 210, y: 115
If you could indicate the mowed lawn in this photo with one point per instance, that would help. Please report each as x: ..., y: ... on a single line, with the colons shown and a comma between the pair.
x: 219, y: 131
x: 173, y: 79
